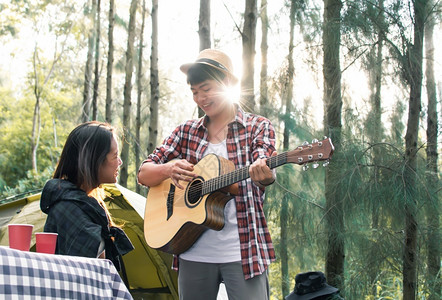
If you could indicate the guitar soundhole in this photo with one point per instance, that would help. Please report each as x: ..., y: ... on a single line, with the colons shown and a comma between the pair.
x: 194, y: 192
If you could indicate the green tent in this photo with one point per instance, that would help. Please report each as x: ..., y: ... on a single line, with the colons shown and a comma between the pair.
x: 148, y: 271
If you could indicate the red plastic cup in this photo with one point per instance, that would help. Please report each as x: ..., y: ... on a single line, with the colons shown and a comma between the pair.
x: 46, y: 242
x: 20, y: 236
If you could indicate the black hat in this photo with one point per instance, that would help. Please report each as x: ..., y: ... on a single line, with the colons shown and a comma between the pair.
x: 310, y: 285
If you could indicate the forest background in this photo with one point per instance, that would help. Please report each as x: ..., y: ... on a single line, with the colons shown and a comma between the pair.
x: 365, y: 73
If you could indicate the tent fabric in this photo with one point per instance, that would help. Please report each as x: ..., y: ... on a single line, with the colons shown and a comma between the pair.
x: 148, y: 270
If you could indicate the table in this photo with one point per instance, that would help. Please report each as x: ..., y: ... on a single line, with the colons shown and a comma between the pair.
x: 30, y: 275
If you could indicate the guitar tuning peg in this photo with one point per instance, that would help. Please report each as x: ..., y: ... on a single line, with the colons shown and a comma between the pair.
x: 305, y: 143
x: 315, y: 165
x: 324, y: 137
x: 305, y: 167
x: 314, y: 141
x: 326, y: 163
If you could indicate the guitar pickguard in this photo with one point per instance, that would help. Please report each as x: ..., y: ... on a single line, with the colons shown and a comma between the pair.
x: 169, y: 204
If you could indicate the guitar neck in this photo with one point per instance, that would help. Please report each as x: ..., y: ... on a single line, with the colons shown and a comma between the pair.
x: 317, y: 151
x: 241, y: 174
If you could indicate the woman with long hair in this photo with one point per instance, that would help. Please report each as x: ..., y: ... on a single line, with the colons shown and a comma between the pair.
x: 73, y: 199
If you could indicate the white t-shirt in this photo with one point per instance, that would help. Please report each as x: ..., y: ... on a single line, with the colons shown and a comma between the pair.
x: 218, y: 246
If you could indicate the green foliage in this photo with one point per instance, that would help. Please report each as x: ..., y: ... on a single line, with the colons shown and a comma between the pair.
x: 47, y: 82
x: 9, y: 22
x: 56, y: 111
x: 397, y: 124
x: 374, y: 197
x: 32, y: 183
x: 14, y: 139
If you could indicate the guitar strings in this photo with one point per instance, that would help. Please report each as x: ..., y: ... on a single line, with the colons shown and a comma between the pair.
x: 199, y: 188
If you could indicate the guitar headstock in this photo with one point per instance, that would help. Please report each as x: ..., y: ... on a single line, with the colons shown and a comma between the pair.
x: 311, y: 152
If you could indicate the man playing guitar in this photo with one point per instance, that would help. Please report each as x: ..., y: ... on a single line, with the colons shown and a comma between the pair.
x: 241, y: 251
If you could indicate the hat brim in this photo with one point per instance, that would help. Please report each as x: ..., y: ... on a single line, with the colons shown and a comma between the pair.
x: 185, y: 68
x: 325, y: 291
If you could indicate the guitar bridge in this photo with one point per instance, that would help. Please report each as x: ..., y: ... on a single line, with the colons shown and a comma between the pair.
x: 169, y: 203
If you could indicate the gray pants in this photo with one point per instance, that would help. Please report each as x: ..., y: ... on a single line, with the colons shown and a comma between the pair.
x: 200, y: 281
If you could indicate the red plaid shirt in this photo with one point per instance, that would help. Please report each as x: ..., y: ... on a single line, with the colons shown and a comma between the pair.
x: 249, y: 137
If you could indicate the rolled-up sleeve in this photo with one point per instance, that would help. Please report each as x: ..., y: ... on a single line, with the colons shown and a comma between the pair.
x: 168, y: 150
x: 263, y: 140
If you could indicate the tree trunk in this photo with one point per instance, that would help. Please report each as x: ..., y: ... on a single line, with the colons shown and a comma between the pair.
x: 432, y: 211
x: 263, y: 87
x: 54, y: 131
x: 411, y: 136
x: 38, y: 89
x: 376, y: 97
x: 35, y: 137
x: 97, y: 61
x: 284, y: 216
x: 127, y: 92
x: 204, y: 32
x: 110, y: 62
x: 334, y: 264
x: 285, y: 278
x: 248, y: 55
x: 376, y: 135
x: 204, y: 25
x: 154, y: 82
x: 85, y: 116
x: 139, y: 94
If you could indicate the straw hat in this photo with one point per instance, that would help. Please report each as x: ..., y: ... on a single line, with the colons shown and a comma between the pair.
x: 216, y: 59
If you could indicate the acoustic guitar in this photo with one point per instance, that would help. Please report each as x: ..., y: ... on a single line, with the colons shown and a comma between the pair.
x: 175, y: 218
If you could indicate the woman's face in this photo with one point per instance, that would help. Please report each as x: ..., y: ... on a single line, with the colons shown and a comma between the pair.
x: 108, y: 171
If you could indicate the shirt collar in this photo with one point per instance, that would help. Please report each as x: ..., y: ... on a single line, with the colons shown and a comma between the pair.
x: 240, y: 118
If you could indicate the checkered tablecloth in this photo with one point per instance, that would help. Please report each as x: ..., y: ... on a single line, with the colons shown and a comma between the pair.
x: 30, y: 275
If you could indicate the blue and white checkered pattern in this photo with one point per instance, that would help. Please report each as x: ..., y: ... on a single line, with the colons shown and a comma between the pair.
x: 30, y: 275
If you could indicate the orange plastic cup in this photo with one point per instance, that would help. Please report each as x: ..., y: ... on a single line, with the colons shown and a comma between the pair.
x: 46, y: 242
x: 20, y: 236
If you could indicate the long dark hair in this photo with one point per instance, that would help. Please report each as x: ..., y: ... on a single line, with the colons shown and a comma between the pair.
x: 84, y: 151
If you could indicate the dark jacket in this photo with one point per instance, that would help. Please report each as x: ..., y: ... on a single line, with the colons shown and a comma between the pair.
x: 81, y: 222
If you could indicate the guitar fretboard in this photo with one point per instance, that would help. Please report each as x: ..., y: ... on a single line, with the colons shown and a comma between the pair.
x: 225, y: 180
